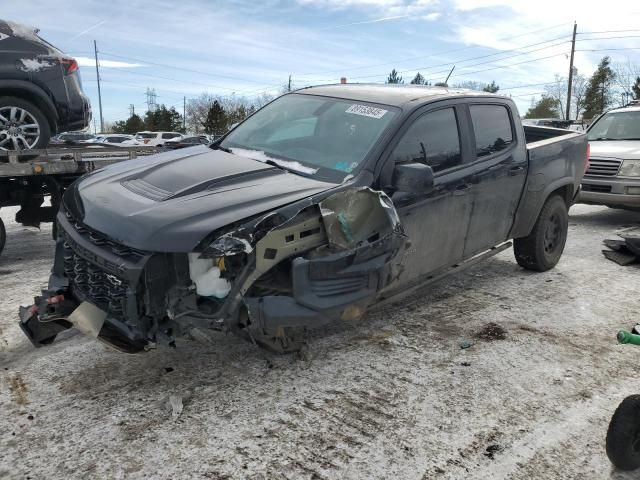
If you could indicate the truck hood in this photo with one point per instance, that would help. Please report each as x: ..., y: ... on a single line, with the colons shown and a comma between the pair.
x: 171, y: 201
x: 621, y: 149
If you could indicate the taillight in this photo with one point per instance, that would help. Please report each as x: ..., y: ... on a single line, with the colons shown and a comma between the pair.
x: 69, y: 64
x: 586, y: 158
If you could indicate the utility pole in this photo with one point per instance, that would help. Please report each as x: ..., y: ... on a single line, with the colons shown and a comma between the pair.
x: 289, y: 84
x: 95, y: 49
x: 132, y: 109
x: 573, y: 49
x: 184, y: 114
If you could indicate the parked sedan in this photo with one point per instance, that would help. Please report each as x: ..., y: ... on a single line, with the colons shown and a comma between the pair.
x: 156, y: 139
x: 71, y: 138
x: 116, y: 139
x: 186, y: 142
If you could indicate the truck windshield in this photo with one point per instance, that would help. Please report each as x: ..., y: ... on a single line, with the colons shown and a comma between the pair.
x: 311, y: 135
x: 616, y: 126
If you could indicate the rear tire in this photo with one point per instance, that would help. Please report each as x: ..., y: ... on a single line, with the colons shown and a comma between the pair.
x: 542, y: 248
x: 3, y: 235
x: 623, y: 435
x: 30, y: 125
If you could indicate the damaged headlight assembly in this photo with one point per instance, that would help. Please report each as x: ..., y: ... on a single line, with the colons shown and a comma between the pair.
x: 206, y: 268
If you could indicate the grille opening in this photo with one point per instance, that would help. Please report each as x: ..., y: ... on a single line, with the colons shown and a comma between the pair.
x: 596, y: 188
x: 603, y: 167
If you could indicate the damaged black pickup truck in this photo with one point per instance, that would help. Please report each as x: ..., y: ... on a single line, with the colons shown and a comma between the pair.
x: 324, y: 202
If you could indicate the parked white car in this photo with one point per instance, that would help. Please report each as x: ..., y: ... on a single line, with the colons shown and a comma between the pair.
x: 156, y: 139
x: 116, y: 139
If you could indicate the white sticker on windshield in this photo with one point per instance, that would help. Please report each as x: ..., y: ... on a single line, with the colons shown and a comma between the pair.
x: 366, y: 111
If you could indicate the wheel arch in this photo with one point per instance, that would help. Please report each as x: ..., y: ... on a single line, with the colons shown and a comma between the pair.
x: 34, y: 94
x: 532, y: 202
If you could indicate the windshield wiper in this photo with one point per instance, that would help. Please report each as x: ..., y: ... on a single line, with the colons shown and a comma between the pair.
x: 273, y: 163
x: 602, y: 139
x: 224, y: 149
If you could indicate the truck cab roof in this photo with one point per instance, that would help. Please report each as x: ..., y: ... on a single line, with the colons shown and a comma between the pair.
x: 397, y: 95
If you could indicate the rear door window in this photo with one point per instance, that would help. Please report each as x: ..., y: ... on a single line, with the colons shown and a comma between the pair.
x: 492, y: 128
x: 433, y: 139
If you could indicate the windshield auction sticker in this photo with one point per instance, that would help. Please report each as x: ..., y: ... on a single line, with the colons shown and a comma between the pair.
x: 366, y: 111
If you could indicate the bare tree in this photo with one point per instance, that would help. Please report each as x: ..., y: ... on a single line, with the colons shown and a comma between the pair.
x: 236, y: 108
x: 558, y: 92
x: 625, y: 76
x: 577, y: 93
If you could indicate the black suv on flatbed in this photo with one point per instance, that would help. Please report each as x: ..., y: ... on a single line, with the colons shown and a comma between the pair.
x: 40, y: 90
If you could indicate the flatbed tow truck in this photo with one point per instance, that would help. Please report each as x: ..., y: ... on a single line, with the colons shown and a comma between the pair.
x: 28, y: 176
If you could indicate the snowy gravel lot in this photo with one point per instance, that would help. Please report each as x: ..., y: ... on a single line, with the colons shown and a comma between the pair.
x: 393, y: 396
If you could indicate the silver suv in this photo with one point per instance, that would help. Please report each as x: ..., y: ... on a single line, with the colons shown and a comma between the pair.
x: 613, y: 176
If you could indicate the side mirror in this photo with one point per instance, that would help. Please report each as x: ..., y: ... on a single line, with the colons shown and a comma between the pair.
x: 412, y: 178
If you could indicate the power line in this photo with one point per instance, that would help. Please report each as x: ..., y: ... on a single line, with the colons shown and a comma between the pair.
x: 422, y: 69
x: 608, y: 31
x: 606, y: 38
x: 605, y: 49
x: 393, y: 62
x: 527, y: 86
x: 122, y: 70
x: 182, y: 69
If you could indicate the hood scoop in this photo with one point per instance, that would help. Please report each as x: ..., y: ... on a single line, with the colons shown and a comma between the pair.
x: 145, y: 189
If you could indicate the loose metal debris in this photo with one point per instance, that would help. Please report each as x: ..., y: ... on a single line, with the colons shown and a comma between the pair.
x: 626, y: 251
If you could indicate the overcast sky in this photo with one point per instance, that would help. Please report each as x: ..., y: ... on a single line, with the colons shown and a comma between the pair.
x: 246, y: 47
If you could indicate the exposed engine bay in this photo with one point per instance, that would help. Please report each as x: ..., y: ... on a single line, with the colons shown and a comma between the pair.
x: 266, y: 279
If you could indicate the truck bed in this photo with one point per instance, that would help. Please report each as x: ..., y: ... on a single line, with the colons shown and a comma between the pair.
x: 557, y: 158
x: 535, y: 134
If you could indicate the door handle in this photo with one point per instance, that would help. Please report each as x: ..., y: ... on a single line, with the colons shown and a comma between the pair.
x: 462, y: 189
x: 515, y: 170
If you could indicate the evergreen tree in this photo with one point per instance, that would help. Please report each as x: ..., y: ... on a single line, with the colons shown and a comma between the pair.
x: 163, y: 119
x: 547, y: 107
x: 394, y: 77
x: 236, y: 115
x: 132, y: 125
x: 216, y: 121
x: 417, y: 80
x: 598, y: 96
x: 636, y: 89
x: 491, y: 87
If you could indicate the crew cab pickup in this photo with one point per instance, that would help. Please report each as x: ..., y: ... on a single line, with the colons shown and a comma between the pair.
x: 323, y: 203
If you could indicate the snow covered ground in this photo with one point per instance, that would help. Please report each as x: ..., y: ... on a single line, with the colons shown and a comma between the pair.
x: 393, y: 396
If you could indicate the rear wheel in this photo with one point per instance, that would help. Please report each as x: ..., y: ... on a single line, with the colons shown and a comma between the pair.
x: 542, y: 248
x: 23, y: 126
x: 623, y: 435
